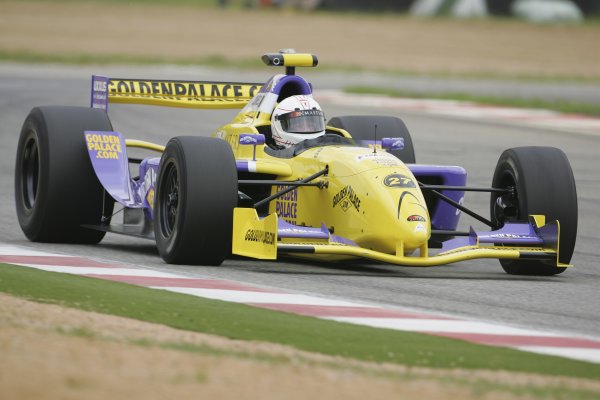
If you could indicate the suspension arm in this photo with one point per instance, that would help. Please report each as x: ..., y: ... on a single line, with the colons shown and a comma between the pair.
x: 464, y: 188
x: 463, y: 209
x: 290, y: 188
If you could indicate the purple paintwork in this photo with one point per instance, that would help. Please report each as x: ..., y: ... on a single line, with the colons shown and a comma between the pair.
x: 386, y: 143
x: 252, y: 139
x: 145, y: 187
x: 245, y: 166
x: 109, y: 159
x: 342, y: 240
x: 99, y: 92
x: 511, y: 234
x: 287, y: 230
x: 520, y: 234
x: 444, y: 216
x: 277, y: 82
x: 392, y: 143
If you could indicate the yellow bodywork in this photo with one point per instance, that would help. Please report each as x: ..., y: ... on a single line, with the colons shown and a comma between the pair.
x: 357, y: 205
x: 368, y: 204
x: 186, y: 94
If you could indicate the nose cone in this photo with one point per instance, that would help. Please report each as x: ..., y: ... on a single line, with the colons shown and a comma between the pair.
x: 393, y: 211
x: 413, y: 219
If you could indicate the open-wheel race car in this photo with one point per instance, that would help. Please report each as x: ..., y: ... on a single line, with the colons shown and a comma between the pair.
x: 354, y: 190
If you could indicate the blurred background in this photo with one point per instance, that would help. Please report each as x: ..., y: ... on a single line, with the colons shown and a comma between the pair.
x: 525, y: 53
x: 534, y: 10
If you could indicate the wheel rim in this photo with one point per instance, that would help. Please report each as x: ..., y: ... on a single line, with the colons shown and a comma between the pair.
x: 30, y: 173
x: 169, y: 200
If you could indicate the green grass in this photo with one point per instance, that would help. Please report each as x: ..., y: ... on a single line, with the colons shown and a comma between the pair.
x: 560, y: 106
x: 170, y: 3
x: 249, y: 323
x: 95, y: 59
x: 220, y: 61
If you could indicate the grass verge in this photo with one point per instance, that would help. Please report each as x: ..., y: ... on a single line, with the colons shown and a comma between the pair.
x: 220, y: 61
x: 169, y: 3
x: 560, y: 106
x: 249, y: 323
x: 103, y: 59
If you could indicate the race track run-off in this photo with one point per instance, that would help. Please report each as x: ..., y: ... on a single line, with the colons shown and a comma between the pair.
x: 475, y: 331
x: 532, y: 118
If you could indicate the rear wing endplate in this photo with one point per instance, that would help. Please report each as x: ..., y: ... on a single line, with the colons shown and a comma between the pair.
x: 187, y: 94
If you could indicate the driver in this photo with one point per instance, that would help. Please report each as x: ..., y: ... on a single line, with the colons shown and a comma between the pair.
x: 295, y: 119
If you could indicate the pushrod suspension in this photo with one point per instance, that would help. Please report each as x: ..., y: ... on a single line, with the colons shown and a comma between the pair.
x: 464, y: 209
x: 464, y: 188
x: 280, y: 183
x: 290, y: 188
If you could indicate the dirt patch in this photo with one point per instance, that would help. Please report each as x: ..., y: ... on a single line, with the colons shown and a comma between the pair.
x: 504, y: 48
x: 52, y: 352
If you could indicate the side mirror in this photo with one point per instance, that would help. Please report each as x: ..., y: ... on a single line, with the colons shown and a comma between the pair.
x: 392, y: 143
x: 252, y: 139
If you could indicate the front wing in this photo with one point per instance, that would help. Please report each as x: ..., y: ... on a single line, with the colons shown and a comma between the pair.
x: 266, y: 238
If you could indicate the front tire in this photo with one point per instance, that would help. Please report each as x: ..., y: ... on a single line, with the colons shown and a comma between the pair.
x: 56, y: 188
x: 362, y: 128
x: 196, y: 194
x: 543, y: 183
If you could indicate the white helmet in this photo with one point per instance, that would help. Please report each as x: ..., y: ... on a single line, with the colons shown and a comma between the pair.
x: 295, y: 119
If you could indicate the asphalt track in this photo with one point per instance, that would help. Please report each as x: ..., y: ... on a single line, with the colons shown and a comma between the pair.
x: 568, y: 303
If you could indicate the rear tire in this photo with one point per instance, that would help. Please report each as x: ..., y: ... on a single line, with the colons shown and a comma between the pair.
x: 544, y: 184
x: 56, y: 188
x: 362, y: 127
x: 196, y: 194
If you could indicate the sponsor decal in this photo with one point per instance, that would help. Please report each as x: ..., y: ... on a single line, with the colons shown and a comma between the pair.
x: 347, y: 198
x: 398, y: 180
x: 100, y: 92
x: 383, y: 159
x: 105, y: 145
x: 286, y: 206
x: 509, y: 236
x: 259, y: 236
x: 392, y: 143
x: 415, y: 218
x: 397, y: 144
x: 461, y: 202
x: 150, y: 197
x: 248, y: 140
x: 420, y: 228
x: 251, y: 139
x: 100, y: 86
x: 147, y: 186
x: 190, y: 91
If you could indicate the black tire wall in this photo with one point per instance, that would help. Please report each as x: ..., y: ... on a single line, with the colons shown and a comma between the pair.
x: 68, y: 193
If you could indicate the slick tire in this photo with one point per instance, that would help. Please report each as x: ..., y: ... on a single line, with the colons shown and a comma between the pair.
x: 544, y: 184
x: 362, y: 128
x: 56, y: 188
x: 196, y: 193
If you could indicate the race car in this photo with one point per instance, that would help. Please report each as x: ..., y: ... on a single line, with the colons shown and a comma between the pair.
x: 355, y: 191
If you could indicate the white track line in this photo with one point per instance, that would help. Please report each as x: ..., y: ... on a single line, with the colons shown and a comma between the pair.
x: 469, y: 330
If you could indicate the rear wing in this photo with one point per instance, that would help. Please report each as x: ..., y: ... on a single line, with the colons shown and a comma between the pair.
x: 169, y: 93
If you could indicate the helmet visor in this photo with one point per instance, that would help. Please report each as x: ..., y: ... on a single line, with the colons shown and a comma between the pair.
x: 303, y: 121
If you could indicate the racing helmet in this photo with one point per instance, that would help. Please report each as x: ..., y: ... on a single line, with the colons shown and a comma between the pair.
x: 295, y: 119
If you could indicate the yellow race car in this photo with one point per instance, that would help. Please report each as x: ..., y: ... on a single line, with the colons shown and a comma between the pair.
x: 349, y: 188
